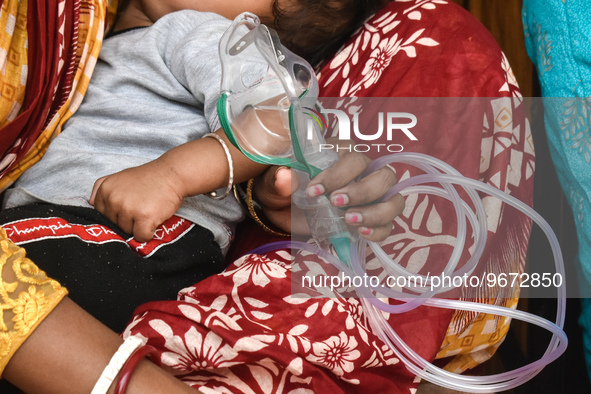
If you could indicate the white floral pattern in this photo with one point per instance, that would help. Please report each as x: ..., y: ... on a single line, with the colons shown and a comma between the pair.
x: 337, y: 353
x: 210, y: 355
x: 193, y: 351
x: 256, y: 271
x: 382, y: 47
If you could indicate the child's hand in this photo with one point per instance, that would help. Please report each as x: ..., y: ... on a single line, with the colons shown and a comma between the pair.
x: 273, y: 190
x: 137, y: 199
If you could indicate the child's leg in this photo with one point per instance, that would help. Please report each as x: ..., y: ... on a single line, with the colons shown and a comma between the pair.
x: 105, y: 271
x: 68, y: 352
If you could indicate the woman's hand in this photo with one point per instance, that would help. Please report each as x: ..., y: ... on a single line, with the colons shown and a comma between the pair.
x: 373, y: 221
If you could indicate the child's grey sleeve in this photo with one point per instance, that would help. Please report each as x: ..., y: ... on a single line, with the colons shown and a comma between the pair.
x: 195, y: 62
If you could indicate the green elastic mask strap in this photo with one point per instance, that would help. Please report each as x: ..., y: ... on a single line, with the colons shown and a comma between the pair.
x: 278, y: 161
x: 297, y: 148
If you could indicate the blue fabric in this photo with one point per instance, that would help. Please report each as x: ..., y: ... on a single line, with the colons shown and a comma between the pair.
x: 558, y: 40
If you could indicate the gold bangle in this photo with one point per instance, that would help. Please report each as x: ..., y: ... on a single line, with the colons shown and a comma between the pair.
x: 214, y: 193
x: 253, y: 212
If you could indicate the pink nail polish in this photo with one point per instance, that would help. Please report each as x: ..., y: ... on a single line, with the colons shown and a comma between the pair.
x: 366, y: 230
x: 315, y: 190
x: 353, y: 217
x: 339, y: 200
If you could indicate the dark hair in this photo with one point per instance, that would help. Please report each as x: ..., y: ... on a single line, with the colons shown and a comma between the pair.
x: 316, y: 29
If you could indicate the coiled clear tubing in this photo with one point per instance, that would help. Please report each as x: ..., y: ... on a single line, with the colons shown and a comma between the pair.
x: 437, y: 171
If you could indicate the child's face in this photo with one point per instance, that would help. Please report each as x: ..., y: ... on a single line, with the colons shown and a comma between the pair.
x: 155, y: 9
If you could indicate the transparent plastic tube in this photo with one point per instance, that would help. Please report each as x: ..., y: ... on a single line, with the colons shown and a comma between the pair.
x: 440, y: 172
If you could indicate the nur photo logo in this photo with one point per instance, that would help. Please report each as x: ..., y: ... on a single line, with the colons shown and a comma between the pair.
x: 391, y: 126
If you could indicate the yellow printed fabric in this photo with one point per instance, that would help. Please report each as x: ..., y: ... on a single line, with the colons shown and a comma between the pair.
x: 27, y: 296
x: 84, y: 33
x: 13, y: 58
x: 470, y: 344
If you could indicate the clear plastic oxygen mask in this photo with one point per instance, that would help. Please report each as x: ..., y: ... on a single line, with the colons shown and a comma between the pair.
x: 267, y: 93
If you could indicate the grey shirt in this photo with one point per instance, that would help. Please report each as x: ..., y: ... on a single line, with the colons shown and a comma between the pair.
x: 152, y: 89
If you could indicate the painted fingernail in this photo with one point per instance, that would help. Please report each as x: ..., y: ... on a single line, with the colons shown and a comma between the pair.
x: 366, y: 230
x: 353, y: 217
x: 339, y: 200
x: 315, y: 190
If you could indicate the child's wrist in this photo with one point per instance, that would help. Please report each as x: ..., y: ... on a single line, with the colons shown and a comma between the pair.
x: 165, y: 172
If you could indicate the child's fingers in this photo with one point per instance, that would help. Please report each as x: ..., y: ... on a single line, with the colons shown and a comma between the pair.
x: 286, y: 182
x: 274, y: 187
x: 143, y: 229
x: 95, y: 189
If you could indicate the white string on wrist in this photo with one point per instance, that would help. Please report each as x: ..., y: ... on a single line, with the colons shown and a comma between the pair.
x: 115, y: 364
x: 214, y: 194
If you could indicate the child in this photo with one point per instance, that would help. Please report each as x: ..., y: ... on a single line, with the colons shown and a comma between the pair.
x: 151, y: 99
